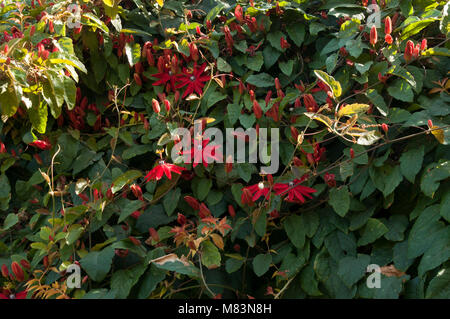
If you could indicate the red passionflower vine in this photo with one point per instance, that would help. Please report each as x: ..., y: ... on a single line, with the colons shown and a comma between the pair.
x: 163, y: 168
x: 195, y: 80
x: 258, y: 190
x: 201, y: 152
x: 296, y: 193
x: 165, y: 77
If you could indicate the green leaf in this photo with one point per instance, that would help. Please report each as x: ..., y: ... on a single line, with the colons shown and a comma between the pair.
x: 274, y: 39
x: 201, y: 188
x: 73, y: 233
x: 334, y: 85
x: 378, y: 101
x: 125, y: 179
x: 295, y: 230
x: 271, y: 56
x: 232, y: 265
x: 286, y: 67
x: 421, y: 236
x: 261, y: 80
x: 397, y: 225
x: 210, y: 255
x: 129, y: 208
x: 133, y: 53
x: 98, y: 263
x: 94, y: 21
x: 124, y: 279
x: 10, y: 221
x: 170, y: 200
x: 373, y: 230
x: 70, y: 92
x: 38, y: 117
x: 340, y: 200
x: 439, y: 287
x: 390, y: 288
x: 432, y: 176
x: 297, y: 33
x: 223, y: 66
x: 261, y: 264
x: 9, y: 101
x: 352, y: 269
x: 151, y: 279
x: 5, y: 192
x: 416, y: 27
x: 386, y: 178
x: 411, y: 162
x: 135, y: 150
x: 438, y: 253
x: 247, y: 120
x: 255, y: 63
x: 401, y: 90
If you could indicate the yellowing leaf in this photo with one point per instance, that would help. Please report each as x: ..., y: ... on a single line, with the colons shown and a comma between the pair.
x: 334, y: 85
x: 438, y: 133
x: 321, y: 118
x: 351, y: 109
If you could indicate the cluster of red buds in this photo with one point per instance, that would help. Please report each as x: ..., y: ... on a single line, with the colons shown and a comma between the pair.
x: 202, y: 209
x: 228, y: 39
x: 317, y: 156
x: 329, y: 179
x: 413, y: 51
x: 119, y: 43
x: 77, y: 116
x: 18, y: 272
x: 15, y: 34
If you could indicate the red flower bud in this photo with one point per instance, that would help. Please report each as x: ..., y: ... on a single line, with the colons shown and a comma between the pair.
x: 277, y: 84
x: 136, y: 214
x: 155, y: 106
x: 25, y: 263
x: 373, y: 35
x: 167, y: 105
x: 329, y: 179
x: 193, y: 50
x: 231, y: 211
x: 409, y: 50
x: 18, y: 272
x: 5, y: 272
x: 137, y: 79
x: 423, y: 45
x: 297, y: 161
x: 284, y: 44
x: 209, y: 25
x: 204, y: 211
x: 385, y: 127
x: 246, y: 197
x: 257, y: 109
x: 430, y: 124
x: 181, y: 219
x: 51, y: 28
x: 388, y: 38
x: 137, y: 191
x: 387, y: 25
x: 134, y: 240
x: 294, y: 133
x: 352, y: 153
x: 153, y: 234
x: 192, y: 202
x: 238, y: 13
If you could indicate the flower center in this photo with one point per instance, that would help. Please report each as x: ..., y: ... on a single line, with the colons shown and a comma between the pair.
x: 170, y: 73
x: 12, y: 296
x: 261, y: 185
x: 192, y: 78
x: 199, y: 147
x: 291, y: 184
x: 161, y: 162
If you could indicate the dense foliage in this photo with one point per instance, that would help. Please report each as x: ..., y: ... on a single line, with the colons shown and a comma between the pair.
x: 91, y: 93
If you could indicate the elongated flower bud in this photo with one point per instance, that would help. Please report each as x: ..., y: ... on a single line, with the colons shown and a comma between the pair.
x: 231, y: 211
x: 137, y: 79
x: 388, y: 25
x: 5, y: 272
x: 238, y: 13
x: 385, y: 127
x: 192, y: 202
x: 409, y: 50
x: 423, y: 45
x: 257, y: 109
x: 193, y: 51
x: 155, y: 106
x: 167, y: 105
x: 373, y: 35
x: 17, y: 270
x: 204, y: 211
x: 277, y: 84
